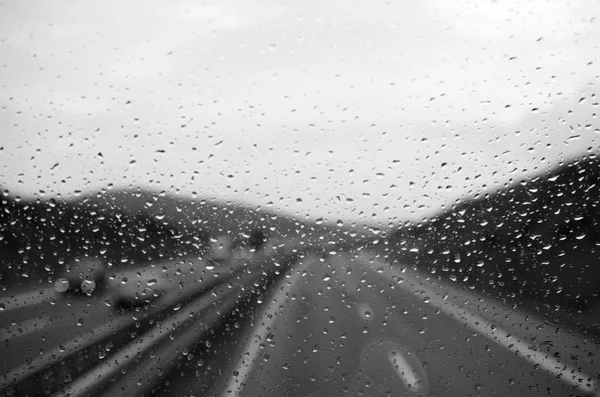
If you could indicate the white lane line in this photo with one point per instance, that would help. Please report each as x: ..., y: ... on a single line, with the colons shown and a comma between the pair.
x: 80, y: 342
x: 76, y: 344
x: 113, y: 364
x: 497, y: 335
x: 23, y: 328
x: 266, y: 320
x: 167, y: 354
x: 221, y: 299
x: 25, y: 299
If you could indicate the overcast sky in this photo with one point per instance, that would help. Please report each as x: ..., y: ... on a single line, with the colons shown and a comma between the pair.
x: 371, y: 110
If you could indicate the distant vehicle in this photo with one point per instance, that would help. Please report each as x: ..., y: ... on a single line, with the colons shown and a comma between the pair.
x: 141, y: 286
x: 221, y: 248
x: 241, y: 253
x: 90, y: 276
x: 257, y: 239
x: 137, y: 288
x: 273, y: 247
x: 85, y: 276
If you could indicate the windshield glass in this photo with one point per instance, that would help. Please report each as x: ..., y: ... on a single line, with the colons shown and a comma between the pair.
x: 299, y: 199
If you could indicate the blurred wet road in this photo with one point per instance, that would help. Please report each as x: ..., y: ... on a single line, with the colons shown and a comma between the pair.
x: 355, y: 326
x: 299, y: 325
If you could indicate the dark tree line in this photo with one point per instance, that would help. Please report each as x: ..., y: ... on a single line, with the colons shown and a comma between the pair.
x: 36, y: 238
x: 538, y: 237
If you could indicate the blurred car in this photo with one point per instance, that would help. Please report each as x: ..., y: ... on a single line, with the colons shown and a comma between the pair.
x: 141, y: 286
x: 257, y: 239
x: 241, y: 253
x: 221, y: 249
x: 137, y: 287
x: 82, y: 275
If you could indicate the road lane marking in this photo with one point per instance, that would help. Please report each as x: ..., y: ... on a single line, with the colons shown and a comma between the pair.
x: 206, y: 306
x: 565, y: 372
x: 165, y: 357
x: 23, y: 328
x: 155, y: 335
x: 74, y: 345
x: 25, y: 299
x: 80, y: 342
x: 266, y: 320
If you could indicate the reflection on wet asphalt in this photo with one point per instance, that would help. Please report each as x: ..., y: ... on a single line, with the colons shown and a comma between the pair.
x: 301, y: 324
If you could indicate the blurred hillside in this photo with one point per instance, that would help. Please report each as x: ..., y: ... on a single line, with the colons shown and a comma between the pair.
x: 538, y: 238
x: 36, y: 238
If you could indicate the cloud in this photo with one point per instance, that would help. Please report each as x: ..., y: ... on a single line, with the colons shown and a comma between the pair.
x: 215, y: 16
x: 486, y: 20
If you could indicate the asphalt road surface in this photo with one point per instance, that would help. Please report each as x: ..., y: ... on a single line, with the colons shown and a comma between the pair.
x: 302, y: 324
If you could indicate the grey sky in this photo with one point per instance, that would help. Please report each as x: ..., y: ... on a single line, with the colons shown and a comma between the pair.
x: 352, y: 107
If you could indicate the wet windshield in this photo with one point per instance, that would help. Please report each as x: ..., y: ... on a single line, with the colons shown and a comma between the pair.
x: 299, y: 199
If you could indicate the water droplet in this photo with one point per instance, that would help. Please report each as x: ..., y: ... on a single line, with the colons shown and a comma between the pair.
x: 88, y: 286
x: 61, y: 285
